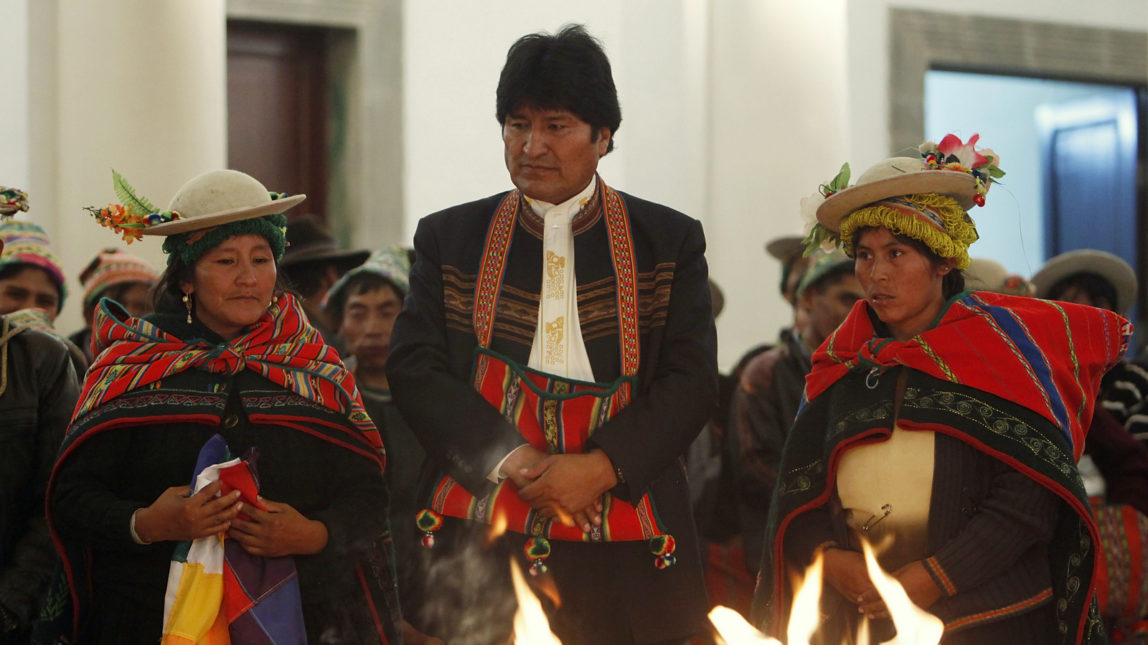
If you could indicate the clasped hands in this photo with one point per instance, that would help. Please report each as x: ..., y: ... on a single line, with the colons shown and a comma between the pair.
x: 279, y: 530
x: 846, y: 572
x: 567, y: 487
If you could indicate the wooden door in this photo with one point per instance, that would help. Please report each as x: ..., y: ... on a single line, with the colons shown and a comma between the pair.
x: 276, y: 108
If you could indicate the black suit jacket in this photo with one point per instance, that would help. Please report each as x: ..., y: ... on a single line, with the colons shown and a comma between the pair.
x: 431, y: 355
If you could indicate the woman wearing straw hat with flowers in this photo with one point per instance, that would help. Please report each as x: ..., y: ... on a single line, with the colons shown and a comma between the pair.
x: 227, y: 366
x: 941, y: 425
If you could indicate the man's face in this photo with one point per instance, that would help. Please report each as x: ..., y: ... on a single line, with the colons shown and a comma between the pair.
x: 829, y: 304
x: 29, y: 288
x: 551, y: 154
x: 367, y: 322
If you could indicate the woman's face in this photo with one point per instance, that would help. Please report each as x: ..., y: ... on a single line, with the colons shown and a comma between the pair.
x: 902, y: 285
x: 233, y: 284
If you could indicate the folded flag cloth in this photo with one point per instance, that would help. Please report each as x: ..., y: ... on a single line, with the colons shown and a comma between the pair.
x: 218, y: 593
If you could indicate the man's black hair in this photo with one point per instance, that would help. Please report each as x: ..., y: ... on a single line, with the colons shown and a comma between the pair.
x: 566, y: 71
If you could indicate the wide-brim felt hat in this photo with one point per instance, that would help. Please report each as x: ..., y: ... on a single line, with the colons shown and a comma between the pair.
x: 985, y: 274
x: 786, y: 247
x: 219, y: 197
x: 1108, y: 266
x: 310, y: 241
x: 894, y: 177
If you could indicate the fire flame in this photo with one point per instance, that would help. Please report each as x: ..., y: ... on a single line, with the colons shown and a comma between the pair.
x: 732, y: 628
x: 915, y: 626
x: 498, y: 525
x: 531, y: 626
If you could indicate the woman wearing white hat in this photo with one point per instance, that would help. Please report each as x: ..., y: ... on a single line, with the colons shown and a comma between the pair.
x: 941, y: 425
x: 227, y: 365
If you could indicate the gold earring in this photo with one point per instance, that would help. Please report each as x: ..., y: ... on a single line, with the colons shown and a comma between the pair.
x: 187, y: 303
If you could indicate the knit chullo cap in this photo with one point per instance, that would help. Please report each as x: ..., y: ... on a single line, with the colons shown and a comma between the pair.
x: 112, y: 267
x: 925, y: 197
x: 392, y: 263
x: 27, y: 243
x: 824, y: 263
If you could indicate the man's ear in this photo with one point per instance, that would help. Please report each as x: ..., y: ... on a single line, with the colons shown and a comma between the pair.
x: 603, y: 141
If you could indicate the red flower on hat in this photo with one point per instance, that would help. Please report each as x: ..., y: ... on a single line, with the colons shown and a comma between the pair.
x: 965, y: 153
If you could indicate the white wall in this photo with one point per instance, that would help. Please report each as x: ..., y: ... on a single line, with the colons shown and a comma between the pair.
x: 777, y: 131
x: 455, y: 51
x: 139, y: 87
x: 14, y: 107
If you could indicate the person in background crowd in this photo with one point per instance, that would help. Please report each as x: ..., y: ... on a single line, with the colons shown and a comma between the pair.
x: 120, y: 276
x: 766, y: 401
x: 30, y: 273
x: 311, y: 265
x: 1102, y: 279
x: 1115, y: 463
x: 364, y: 304
x: 942, y: 426
x: 984, y: 274
x: 228, y: 358
x: 588, y: 310
x: 38, y: 390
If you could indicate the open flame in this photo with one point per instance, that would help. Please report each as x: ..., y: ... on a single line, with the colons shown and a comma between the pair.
x: 915, y: 626
x: 531, y: 627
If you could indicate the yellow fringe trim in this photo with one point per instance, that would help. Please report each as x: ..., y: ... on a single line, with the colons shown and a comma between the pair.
x: 960, y: 230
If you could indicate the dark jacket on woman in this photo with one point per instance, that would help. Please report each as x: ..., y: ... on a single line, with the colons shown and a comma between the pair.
x: 120, y: 456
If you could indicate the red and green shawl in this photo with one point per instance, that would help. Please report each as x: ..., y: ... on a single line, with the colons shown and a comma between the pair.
x: 282, y: 347
x: 1046, y: 356
x: 1041, y: 361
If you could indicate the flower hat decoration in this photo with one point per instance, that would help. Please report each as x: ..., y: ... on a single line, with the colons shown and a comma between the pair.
x: 952, y: 168
x: 133, y: 215
x: 12, y: 200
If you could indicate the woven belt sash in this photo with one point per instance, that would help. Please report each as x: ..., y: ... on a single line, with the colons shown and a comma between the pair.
x: 554, y: 414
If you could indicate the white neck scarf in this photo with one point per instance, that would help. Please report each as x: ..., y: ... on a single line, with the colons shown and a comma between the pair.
x: 558, y: 348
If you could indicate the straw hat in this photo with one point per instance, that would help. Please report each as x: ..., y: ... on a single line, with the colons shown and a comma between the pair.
x: 925, y: 197
x: 218, y: 197
x: 893, y: 177
x: 1108, y: 266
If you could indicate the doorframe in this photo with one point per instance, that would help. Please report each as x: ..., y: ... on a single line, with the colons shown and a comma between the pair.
x: 920, y: 41
x: 365, y: 198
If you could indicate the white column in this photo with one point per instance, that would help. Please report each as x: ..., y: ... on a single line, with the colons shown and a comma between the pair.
x: 140, y: 87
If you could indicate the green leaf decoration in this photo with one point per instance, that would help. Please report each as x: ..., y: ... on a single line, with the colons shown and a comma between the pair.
x: 841, y: 181
x: 996, y: 173
x: 136, y: 205
x: 818, y: 235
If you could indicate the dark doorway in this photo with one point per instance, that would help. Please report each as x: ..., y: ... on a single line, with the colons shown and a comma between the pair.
x: 277, y: 108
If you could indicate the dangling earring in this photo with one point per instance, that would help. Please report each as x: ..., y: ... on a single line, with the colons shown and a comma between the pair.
x: 187, y: 303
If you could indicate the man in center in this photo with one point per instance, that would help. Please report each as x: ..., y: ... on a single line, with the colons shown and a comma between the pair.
x: 556, y: 357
